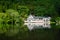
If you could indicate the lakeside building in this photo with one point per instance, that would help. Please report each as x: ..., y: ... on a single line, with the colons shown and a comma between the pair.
x: 33, y: 22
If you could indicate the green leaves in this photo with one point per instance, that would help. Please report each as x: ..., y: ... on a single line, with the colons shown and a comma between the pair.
x: 57, y: 20
x: 13, y: 12
x: 11, y: 21
x: 39, y: 10
x: 22, y: 9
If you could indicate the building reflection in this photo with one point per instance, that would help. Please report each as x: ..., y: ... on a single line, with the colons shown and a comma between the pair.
x: 32, y: 26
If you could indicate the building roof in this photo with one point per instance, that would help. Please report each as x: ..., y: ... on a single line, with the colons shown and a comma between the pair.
x: 36, y: 17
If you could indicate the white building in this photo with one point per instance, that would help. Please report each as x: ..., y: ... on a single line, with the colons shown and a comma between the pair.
x: 37, y: 22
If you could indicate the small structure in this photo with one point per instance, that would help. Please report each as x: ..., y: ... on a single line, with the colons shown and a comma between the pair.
x: 37, y: 22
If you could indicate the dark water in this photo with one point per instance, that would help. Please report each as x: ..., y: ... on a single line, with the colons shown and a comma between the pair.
x: 21, y: 32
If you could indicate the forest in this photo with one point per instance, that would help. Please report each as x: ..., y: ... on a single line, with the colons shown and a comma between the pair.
x: 14, y: 12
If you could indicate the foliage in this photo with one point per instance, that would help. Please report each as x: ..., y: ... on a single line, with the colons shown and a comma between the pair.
x: 57, y: 20
x: 16, y: 11
x: 9, y: 22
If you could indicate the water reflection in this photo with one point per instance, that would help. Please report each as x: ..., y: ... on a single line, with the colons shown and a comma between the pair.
x: 18, y: 32
x: 32, y: 26
x: 9, y: 29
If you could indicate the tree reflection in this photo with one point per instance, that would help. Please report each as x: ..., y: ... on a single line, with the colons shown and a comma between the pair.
x: 10, y: 29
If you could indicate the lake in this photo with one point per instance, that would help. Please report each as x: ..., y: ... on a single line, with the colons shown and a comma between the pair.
x: 30, y: 31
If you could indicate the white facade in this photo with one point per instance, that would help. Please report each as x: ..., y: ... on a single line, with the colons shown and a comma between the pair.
x: 37, y: 22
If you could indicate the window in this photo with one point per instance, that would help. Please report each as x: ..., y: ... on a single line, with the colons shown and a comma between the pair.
x: 40, y: 18
x: 29, y: 20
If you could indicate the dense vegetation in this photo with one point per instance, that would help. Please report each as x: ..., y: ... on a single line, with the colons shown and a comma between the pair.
x: 14, y: 12
x: 37, y: 7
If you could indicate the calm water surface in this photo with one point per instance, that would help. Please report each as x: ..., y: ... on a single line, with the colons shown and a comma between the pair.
x: 31, y: 31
